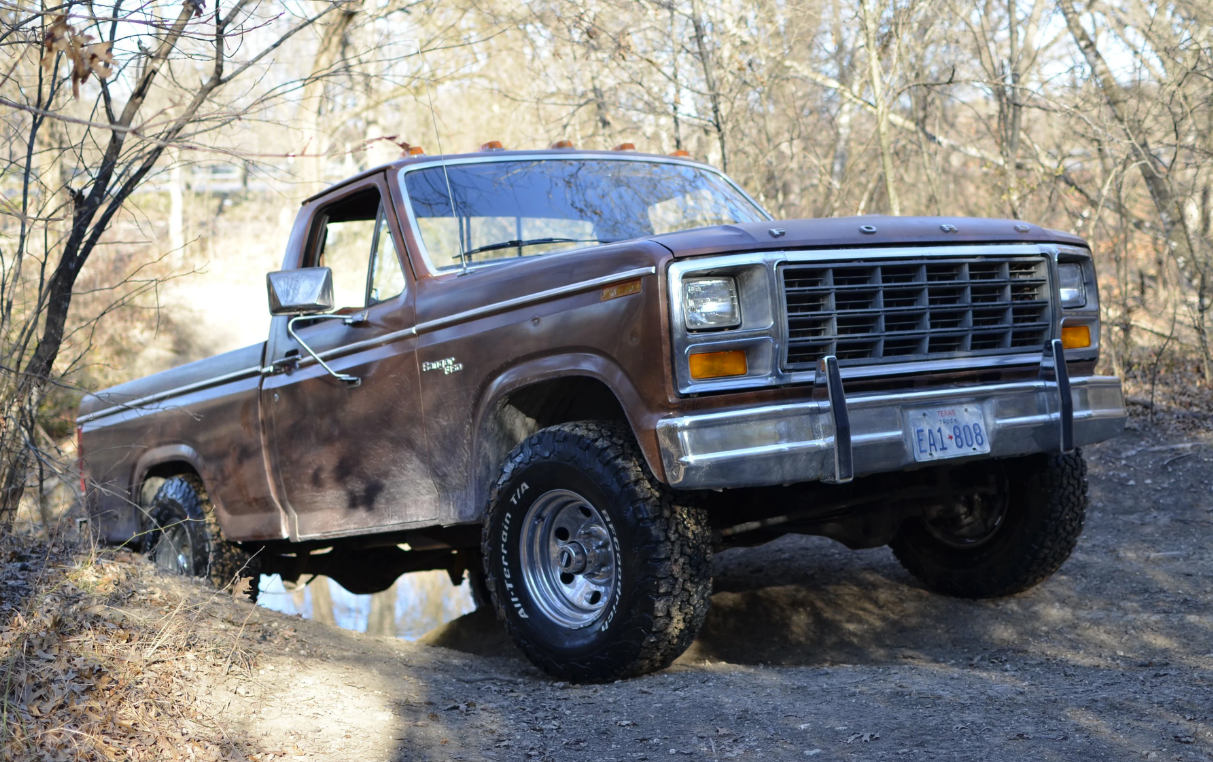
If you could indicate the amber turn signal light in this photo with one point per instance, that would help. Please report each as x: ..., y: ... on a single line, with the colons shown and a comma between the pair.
x: 718, y: 364
x: 1075, y: 336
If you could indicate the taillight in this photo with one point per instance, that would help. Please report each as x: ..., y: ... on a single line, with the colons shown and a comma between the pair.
x: 80, y: 459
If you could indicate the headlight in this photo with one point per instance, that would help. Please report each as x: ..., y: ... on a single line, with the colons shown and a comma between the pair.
x: 1072, y: 285
x: 710, y: 303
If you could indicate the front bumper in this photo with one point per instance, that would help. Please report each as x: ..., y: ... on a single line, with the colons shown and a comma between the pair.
x: 786, y: 444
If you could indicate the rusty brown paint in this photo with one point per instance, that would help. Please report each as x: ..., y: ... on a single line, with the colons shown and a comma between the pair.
x: 300, y: 455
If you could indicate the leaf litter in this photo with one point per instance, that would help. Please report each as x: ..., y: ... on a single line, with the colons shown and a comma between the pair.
x: 85, y: 680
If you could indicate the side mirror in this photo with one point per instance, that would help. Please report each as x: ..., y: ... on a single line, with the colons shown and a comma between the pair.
x: 306, y: 291
x: 305, y: 294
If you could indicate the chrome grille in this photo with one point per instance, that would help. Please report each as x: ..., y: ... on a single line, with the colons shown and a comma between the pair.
x: 906, y: 310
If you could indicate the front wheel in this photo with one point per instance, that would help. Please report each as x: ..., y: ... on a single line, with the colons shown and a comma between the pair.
x: 597, y: 569
x: 1017, y: 527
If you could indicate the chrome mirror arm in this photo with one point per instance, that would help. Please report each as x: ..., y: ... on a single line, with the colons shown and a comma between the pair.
x: 350, y: 320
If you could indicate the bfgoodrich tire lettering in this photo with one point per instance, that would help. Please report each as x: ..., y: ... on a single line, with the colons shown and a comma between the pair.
x: 626, y: 538
x: 1046, y: 504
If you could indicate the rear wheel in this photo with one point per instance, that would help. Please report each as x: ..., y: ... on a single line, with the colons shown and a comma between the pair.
x: 1017, y: 527
x: 597, y: 569
x: 185, y: 538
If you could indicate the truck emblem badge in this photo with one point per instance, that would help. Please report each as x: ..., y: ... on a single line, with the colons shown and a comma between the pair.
x: 447, y: 366
x: 948, y: 228
x: 777, y: 232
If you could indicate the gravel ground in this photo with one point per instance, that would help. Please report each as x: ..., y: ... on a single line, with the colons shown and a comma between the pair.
x: 810, y: 651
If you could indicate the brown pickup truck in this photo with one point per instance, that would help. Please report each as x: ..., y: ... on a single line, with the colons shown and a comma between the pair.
x: 573, y: 375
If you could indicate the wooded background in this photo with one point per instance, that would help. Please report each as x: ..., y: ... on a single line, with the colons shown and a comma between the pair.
x: 152, y: 156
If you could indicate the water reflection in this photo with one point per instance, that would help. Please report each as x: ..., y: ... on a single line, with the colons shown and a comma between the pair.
x: 416, y: 604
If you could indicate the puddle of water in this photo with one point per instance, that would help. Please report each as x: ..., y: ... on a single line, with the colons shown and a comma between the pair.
x: 416, y: 604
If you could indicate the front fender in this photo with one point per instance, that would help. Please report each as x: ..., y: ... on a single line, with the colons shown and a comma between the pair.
x: 641, y: 420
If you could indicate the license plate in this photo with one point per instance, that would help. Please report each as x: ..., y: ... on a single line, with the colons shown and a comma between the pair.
x: 948, y: 432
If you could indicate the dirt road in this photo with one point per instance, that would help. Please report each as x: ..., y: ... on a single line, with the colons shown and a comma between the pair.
x: 810, y: 650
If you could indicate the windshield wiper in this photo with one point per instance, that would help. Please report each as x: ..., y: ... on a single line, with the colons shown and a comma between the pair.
x: 518, y: 244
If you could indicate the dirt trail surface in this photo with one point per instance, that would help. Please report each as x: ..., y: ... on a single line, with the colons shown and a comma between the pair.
x: 810, y: 650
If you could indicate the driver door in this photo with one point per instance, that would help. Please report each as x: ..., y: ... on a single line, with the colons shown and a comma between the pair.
x: 351, y: 457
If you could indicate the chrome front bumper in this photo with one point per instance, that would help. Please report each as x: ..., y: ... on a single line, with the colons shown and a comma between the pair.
x: 784, y: 444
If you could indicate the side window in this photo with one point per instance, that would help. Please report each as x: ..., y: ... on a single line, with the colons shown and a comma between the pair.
x: 344, y: 243
x: 387, y: 279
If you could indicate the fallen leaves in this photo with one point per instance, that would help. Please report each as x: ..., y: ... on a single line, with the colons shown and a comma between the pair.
x: 77, y: 684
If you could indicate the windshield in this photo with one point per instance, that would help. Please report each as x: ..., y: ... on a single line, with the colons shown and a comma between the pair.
x: 507, y: 209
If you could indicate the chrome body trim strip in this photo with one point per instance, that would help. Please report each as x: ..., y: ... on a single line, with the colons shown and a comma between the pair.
x: 789, y: 443
x: 158, y: 396
x: 542, y: 296
x: 387, y: 338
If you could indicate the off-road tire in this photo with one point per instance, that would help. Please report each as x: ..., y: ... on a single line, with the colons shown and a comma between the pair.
x: 1044, y: 518
x: 664, y: 555
x: 184, y: 500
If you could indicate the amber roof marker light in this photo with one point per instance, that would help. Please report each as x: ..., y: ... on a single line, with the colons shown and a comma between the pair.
x: 562, y: 144
x: 682, y: 153
x: 492, y: 145
x: 624, y: 147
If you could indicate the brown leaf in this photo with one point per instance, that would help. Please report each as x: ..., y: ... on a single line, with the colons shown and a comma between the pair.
x: 56, y: 40
x: 100, y: 59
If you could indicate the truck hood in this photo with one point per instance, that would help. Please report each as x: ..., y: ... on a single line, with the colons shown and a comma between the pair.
x: 845, y: 232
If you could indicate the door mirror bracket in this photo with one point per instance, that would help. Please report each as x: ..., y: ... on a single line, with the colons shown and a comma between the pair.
x: 290, y: 329
x: 303, y: 294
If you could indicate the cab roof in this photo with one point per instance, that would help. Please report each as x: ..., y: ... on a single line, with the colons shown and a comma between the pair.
x: 501, y: 154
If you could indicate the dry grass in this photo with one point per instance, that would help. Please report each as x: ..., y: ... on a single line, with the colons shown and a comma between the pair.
x: 88, y: 678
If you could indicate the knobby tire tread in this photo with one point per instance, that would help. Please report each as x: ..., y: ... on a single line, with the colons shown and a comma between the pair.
x: 1055, y: 499
x: 669, y: 536
x: 226, y: 563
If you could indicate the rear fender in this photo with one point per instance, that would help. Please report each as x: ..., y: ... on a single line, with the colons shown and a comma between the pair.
x: 190, y: 460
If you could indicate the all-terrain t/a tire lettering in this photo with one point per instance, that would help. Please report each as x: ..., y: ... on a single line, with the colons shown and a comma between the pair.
x: 598, y: 571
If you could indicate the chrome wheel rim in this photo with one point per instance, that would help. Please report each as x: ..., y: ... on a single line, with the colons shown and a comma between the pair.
x: 175, y: 550
x: 568, y: 559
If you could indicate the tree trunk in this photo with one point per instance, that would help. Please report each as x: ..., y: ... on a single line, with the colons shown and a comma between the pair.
x: 382, y: 618
x: 176, y: 215
x: 709, y: 81
x: 312, y: 101
x: 1154, y: 172
x: 91, y: 214
x: 322, y: 601
x: 871, y: 20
